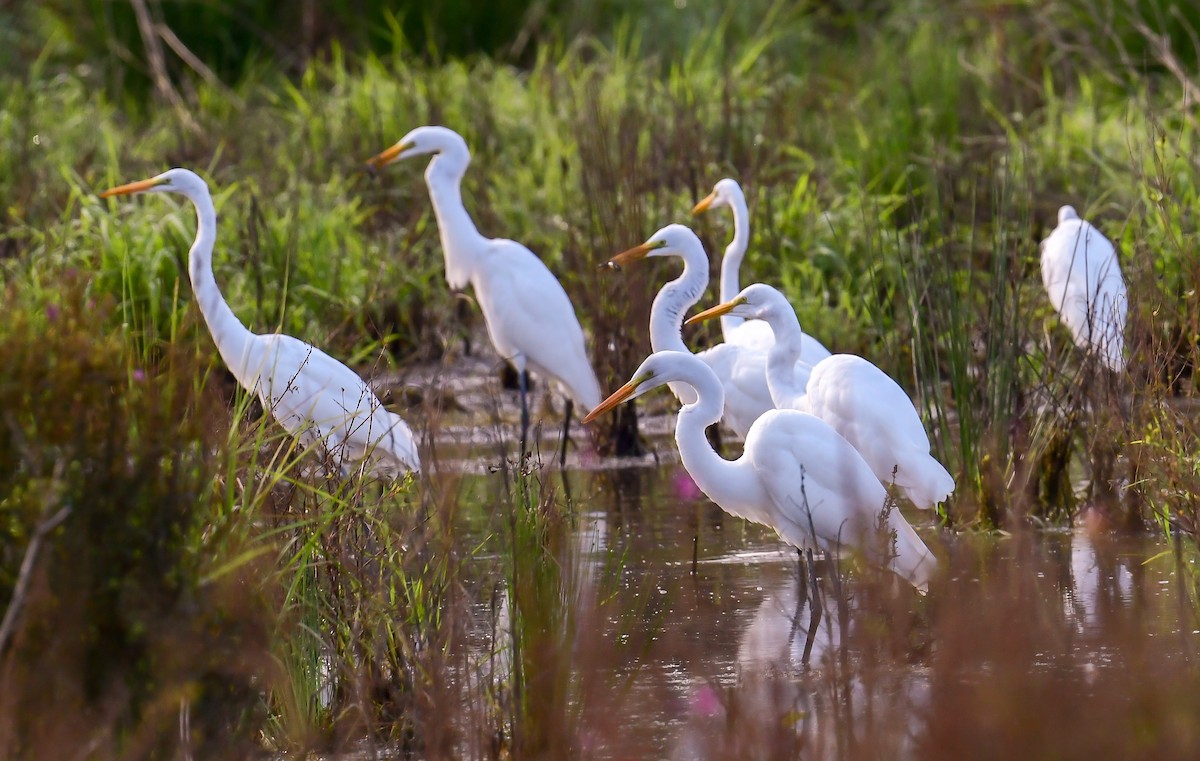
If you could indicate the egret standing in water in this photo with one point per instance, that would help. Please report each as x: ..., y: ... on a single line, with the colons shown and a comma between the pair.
x: 728, y: 192
x: 1083, y: 279
x: 528, y: 315
x: 314, y: 397
x: 796, y: 474
x: 852, y: 395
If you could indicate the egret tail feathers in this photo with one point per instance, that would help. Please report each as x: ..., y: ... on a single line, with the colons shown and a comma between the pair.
x: 912, y: 559
x: 924, y: 480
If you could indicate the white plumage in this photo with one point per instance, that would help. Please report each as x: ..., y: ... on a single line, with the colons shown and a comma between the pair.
x: 314, y: 397
x: 852, y: 395
x: 1083, y: 280
x: 870, y: 409
x: 529, y: 316
x: 742, y: 370
x: 749, y: 333
x: 796, y: 474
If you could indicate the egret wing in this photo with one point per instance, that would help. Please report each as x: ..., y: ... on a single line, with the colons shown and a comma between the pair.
x: 529, y: 314
x: 320, y: 400
x: 817, y: 482
x: 824, y: 493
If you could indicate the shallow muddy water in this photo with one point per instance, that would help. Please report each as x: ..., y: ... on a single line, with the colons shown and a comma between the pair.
x: 677, y: 631
x: 667, y: 659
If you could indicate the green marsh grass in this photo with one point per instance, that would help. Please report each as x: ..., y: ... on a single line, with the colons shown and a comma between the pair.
x: 901, y: 164
x: 118, y: 600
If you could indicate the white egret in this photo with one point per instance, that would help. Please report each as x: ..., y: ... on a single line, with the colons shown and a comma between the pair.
x: 852, y: 395
x: 1083, y: 279
x: 728, y: 192
x: 529, y: 317
x: 742, y: 370
x: 314, y: 397
x: 796, y: 474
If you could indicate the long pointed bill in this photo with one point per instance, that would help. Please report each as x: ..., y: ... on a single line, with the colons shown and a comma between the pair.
x: 620, y: 395
x: 717, y: 311
x: 634, y: 254
x: 386, y: 157
x: 133, y: 187
x: 702, y: 207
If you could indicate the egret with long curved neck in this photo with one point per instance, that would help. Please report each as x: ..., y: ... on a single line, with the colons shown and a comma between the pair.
x: 796, y: 474
x: 728, y: 193
x: 741, y: 370
x: 529, y: 317
x: 852, y: 395
x: 314, y: 397
x: 763, y: 305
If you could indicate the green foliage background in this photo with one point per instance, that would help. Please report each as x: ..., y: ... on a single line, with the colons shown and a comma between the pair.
x: 901, y: 159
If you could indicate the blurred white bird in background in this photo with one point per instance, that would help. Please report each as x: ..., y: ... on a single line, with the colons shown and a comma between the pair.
x: 1083, y: 279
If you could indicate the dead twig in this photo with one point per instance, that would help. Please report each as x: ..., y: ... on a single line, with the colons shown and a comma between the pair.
x: 158, y: 64
x: 21, y: 589
x: 1161, y: 45
x: 198, y: 66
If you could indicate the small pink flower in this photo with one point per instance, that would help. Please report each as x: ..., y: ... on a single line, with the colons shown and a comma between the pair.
x: 139, y: 375
x: 52, y: 312
x: 705, y: 702
x: 684, y: 487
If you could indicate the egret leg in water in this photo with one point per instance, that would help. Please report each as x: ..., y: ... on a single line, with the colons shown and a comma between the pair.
x: 566, y: 433
x: 523, y: 378
x: 790, y: 460
x: 807, y: 587
x: 529, y: 317
x: 814, y: 605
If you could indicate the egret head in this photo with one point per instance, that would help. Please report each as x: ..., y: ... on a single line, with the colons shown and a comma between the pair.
x: 658, y: 370
x: 755, y: 302
x: 422, y: 141
x: 726, y: 192
x: 183, y: 181
x: 1065, y: 213
x: 672, y: 240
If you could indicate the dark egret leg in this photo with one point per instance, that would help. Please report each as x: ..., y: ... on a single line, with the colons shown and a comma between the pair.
x: 814, y: 606
x: 462, y: 313
x: 566, y: 486
x: 522, y: 379
x: 566, y: 433
x: 801, y: 594
x: 839, y: 594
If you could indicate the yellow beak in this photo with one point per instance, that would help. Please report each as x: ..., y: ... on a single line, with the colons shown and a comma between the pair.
x: 133, y: 187
x: 388, y: 156
x: 712, y: 312
x: 620, y: 395
x: 634, y: 254
x: 702, y: 207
